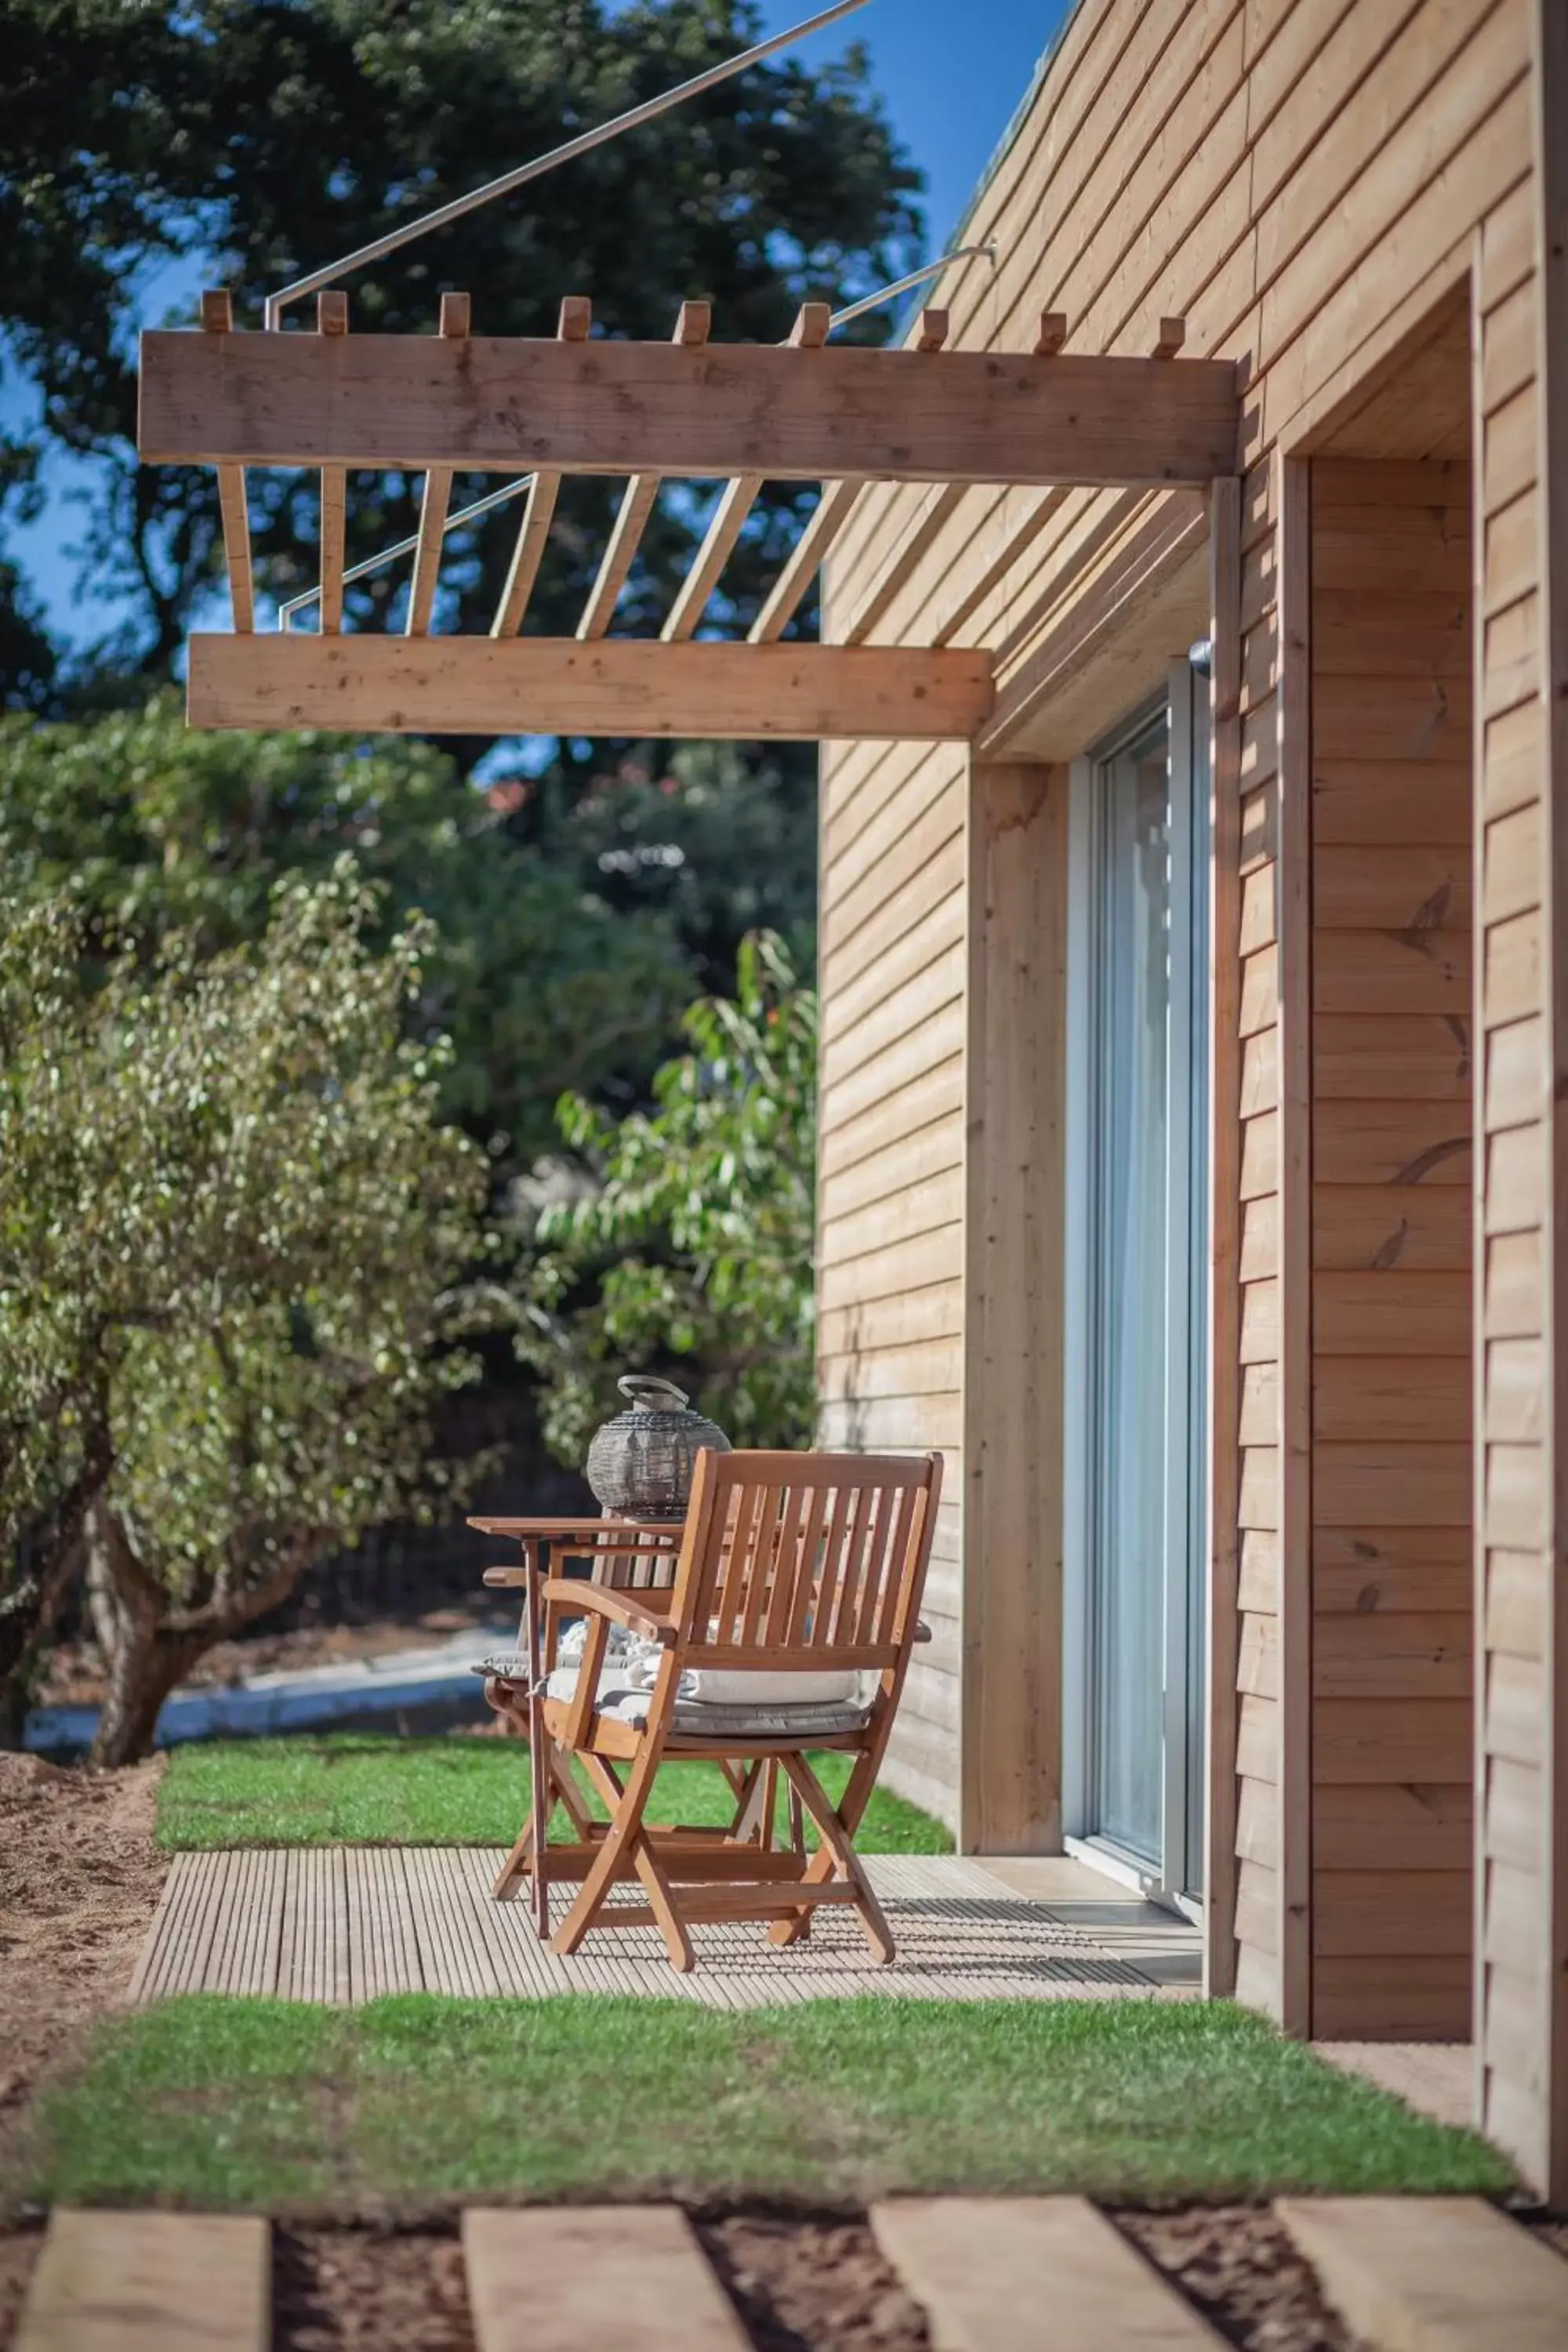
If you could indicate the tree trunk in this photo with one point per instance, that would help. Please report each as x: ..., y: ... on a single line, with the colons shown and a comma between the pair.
x: 147, y: 1664
x: 29, y: 1608
x: 144, y: 1658
x: 148, y: 1646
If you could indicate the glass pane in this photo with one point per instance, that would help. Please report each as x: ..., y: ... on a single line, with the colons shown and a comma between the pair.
x: 1131, y: 1060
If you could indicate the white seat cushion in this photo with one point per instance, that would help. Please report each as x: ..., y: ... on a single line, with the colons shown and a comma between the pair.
x: 723, y: 1702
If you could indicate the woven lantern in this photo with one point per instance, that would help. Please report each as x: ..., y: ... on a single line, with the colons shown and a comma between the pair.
x: 640, y: 1465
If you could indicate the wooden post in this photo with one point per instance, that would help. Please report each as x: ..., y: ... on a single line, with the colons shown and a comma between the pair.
x: 1552, y: 479
x: 1292, y: 900
x: 1225, y: 1230
x: 1011, y: 1702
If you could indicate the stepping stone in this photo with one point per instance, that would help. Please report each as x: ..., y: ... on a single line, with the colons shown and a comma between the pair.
x: 1431, y: 2273
x: 607, y: 2278
x: 150, y: 2283
x: 1032, y: 2275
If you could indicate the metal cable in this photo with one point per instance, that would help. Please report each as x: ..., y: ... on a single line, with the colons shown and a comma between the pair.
x: 582, y: 145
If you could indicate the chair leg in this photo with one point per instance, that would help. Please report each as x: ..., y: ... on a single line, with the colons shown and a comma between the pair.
x: 749, y: 1825
x: 569, y: 1794
x: 562, y: 1790
x: 661, y: 1901
x: 835, y: 1857
x: 619, y: 1844
x: 515, y: 1868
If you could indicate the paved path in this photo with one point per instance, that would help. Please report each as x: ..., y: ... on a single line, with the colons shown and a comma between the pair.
x: 346, y: 1923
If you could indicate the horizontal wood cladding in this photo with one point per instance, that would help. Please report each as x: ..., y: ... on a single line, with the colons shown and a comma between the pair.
x: 1393, y: 1083
x: 890, y: 1152
x: 1284, y: 156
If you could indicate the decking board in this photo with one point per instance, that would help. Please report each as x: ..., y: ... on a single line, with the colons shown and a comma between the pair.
x: 342, y: 1925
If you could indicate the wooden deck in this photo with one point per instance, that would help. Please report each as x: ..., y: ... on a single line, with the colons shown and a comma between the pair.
x: 343, y: 1924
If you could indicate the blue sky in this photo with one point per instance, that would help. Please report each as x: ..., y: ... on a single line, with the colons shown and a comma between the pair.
x: 950, y: 72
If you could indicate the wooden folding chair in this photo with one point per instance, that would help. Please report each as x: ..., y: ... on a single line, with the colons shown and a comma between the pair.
x: 790, y: 1564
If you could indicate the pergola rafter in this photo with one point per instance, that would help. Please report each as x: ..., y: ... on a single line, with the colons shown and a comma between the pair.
x: 844, y: 416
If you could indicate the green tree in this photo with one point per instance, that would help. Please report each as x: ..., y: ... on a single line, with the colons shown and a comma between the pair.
x: 233, y: 1237
x: 541, y: 979
x: 247, y: 140
x: 683, y: 1239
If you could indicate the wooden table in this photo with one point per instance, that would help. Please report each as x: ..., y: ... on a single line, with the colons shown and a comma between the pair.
x: 534, y: 1537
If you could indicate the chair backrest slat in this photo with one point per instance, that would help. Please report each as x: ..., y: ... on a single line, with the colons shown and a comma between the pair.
x: 630, y: 1571
x: 875, y: 1564
x: 805, y: 1556
x: 907, y: 1530
x: 787, y: 1564
x: 838, y: 1563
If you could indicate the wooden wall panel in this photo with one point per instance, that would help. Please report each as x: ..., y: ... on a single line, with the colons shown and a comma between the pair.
x: 1521, y: 1995
x: 1014, y: 1263
x: 1303, y: 181
x: 889, y: 1198
x: 1390, y: 1340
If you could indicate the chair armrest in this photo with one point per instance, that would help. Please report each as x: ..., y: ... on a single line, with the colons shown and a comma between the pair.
x: 507, y: 1577
x: 577, y: 1593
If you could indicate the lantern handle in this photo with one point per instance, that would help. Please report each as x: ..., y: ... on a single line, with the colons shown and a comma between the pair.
x: 652, y: 1394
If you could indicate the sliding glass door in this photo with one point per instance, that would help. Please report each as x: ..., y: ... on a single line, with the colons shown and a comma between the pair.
x: 1137, y: 1276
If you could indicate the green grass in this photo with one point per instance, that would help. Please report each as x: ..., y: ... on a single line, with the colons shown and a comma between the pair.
x: 374, y: 1788
x: 416, y: 2104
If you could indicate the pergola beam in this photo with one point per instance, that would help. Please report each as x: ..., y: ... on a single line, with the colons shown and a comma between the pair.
x: 487, y: 404
x: 615, y: 687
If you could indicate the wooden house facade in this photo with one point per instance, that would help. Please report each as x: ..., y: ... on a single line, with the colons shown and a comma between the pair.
x: 1193, y: 1052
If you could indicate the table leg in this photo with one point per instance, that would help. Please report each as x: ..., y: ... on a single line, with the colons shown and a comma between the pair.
x: 539, y: 1757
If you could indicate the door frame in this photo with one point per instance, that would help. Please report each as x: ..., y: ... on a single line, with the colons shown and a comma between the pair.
x: 1183, y: 699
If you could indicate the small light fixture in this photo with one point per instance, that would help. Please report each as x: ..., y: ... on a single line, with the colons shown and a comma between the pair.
x: 1201, y: 656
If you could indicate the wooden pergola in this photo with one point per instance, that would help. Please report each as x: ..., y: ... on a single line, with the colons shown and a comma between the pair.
x: 690, y: 409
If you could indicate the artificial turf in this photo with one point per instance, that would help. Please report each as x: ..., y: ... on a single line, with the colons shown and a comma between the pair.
x: 378, y: 1789
x: 417, y: 2103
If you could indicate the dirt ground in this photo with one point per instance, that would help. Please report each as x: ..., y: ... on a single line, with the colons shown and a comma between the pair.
x: 822, y: 2284
x: 79, y: 1877
x: 1240, y: 2267
x: 368, y: 2291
